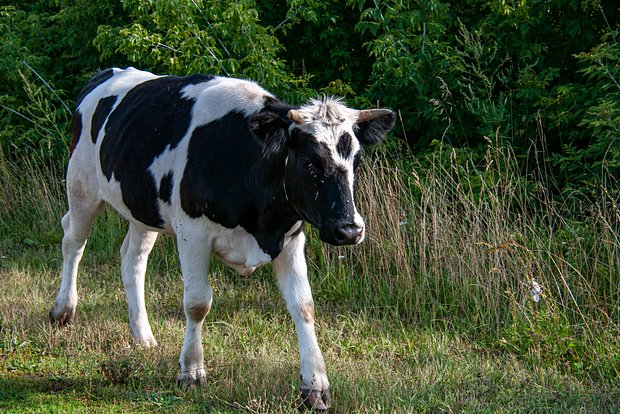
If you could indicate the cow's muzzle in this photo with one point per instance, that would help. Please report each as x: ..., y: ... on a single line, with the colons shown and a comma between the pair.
x: 341, y: 234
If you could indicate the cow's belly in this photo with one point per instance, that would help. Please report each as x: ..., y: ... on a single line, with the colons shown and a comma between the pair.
x: 239, y: 250
x: 110, y: 192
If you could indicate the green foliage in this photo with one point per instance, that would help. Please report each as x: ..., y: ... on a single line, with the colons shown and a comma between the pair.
x: 322, y: 43
x: 407, y: 44
x: 48, y: 118
x: 46, y: 53
x: 594, y: 154
x: 538, y: 73
x: 182, y: 37
x: 549, y: 336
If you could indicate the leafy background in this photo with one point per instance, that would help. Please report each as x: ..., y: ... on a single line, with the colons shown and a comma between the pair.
x: 539, y: 74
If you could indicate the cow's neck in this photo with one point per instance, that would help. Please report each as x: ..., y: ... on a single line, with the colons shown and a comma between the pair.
x: 276, y: 216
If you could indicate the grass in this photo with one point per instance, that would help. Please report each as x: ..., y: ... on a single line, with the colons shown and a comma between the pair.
x: 431, y: 315
x: 251, y: 352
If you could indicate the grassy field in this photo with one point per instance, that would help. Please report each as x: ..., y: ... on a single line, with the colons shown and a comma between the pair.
x: 433, y: 314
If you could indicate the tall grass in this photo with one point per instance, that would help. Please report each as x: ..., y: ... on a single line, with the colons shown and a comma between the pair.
x: 457, y: 244
x: 453, y: 243
x: 31, y: 202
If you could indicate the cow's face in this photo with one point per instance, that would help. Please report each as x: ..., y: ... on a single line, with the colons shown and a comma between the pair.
x: 323, y: 142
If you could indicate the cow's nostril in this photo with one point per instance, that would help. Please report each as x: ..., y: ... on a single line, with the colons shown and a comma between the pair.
x: 347, y: 234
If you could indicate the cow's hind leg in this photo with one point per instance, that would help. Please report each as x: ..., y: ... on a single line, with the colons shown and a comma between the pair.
x: 76, y: 224
x: 194, y: 253
x: 134, y: 255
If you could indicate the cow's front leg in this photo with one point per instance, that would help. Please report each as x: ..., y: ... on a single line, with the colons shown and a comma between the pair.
x: 291, y: 270
x: 194, y: 253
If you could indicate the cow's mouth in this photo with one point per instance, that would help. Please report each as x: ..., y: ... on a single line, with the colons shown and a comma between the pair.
x: 342, y: 234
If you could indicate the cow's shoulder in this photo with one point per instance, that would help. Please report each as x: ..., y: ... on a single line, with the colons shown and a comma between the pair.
x: 230, y: 177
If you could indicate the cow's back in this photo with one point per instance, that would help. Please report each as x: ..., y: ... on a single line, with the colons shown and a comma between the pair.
x: 133, y: 129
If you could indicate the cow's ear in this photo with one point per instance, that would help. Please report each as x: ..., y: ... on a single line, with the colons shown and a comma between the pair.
x: 373, y: 124
x: 271, y: 129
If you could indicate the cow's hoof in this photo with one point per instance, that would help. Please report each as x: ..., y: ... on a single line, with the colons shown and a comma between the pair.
x: 61, y: 317
x: 192, y: 378
x: 317, y: 400
x: 146, y: 342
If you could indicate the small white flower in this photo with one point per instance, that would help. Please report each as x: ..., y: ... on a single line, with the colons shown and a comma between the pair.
x: 535, y: 290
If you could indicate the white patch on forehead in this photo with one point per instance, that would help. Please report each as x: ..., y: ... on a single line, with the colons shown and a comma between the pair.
x: 328, y: 112
x: 327, y: 120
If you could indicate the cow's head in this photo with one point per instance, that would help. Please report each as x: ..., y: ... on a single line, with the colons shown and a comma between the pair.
x: 323, y: 145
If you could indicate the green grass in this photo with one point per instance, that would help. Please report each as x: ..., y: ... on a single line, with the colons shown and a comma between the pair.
x: 431, y: 315
x: 375, y: 365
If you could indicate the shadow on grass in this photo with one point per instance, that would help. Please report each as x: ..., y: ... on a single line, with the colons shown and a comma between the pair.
x: 253, y: 386
x: 33, y: 393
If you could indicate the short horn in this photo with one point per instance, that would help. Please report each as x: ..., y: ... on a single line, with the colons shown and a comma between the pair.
x: 296, y: 116
x: 367, y: 115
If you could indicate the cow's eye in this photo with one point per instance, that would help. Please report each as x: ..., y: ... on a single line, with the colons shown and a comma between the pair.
x: 313, y: 167
x: 309, y: 165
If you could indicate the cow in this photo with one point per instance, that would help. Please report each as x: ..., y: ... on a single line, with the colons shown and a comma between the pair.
x: 229, y: 170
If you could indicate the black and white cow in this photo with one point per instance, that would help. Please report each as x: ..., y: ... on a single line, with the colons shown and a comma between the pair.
x: 227, y: 168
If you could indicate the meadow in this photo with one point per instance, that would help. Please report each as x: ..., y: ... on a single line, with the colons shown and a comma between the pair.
x: 489, y: 281
x: 434, y: 313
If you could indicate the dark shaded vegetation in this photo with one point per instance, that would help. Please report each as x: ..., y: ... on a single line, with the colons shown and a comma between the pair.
x: 542, y: 76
